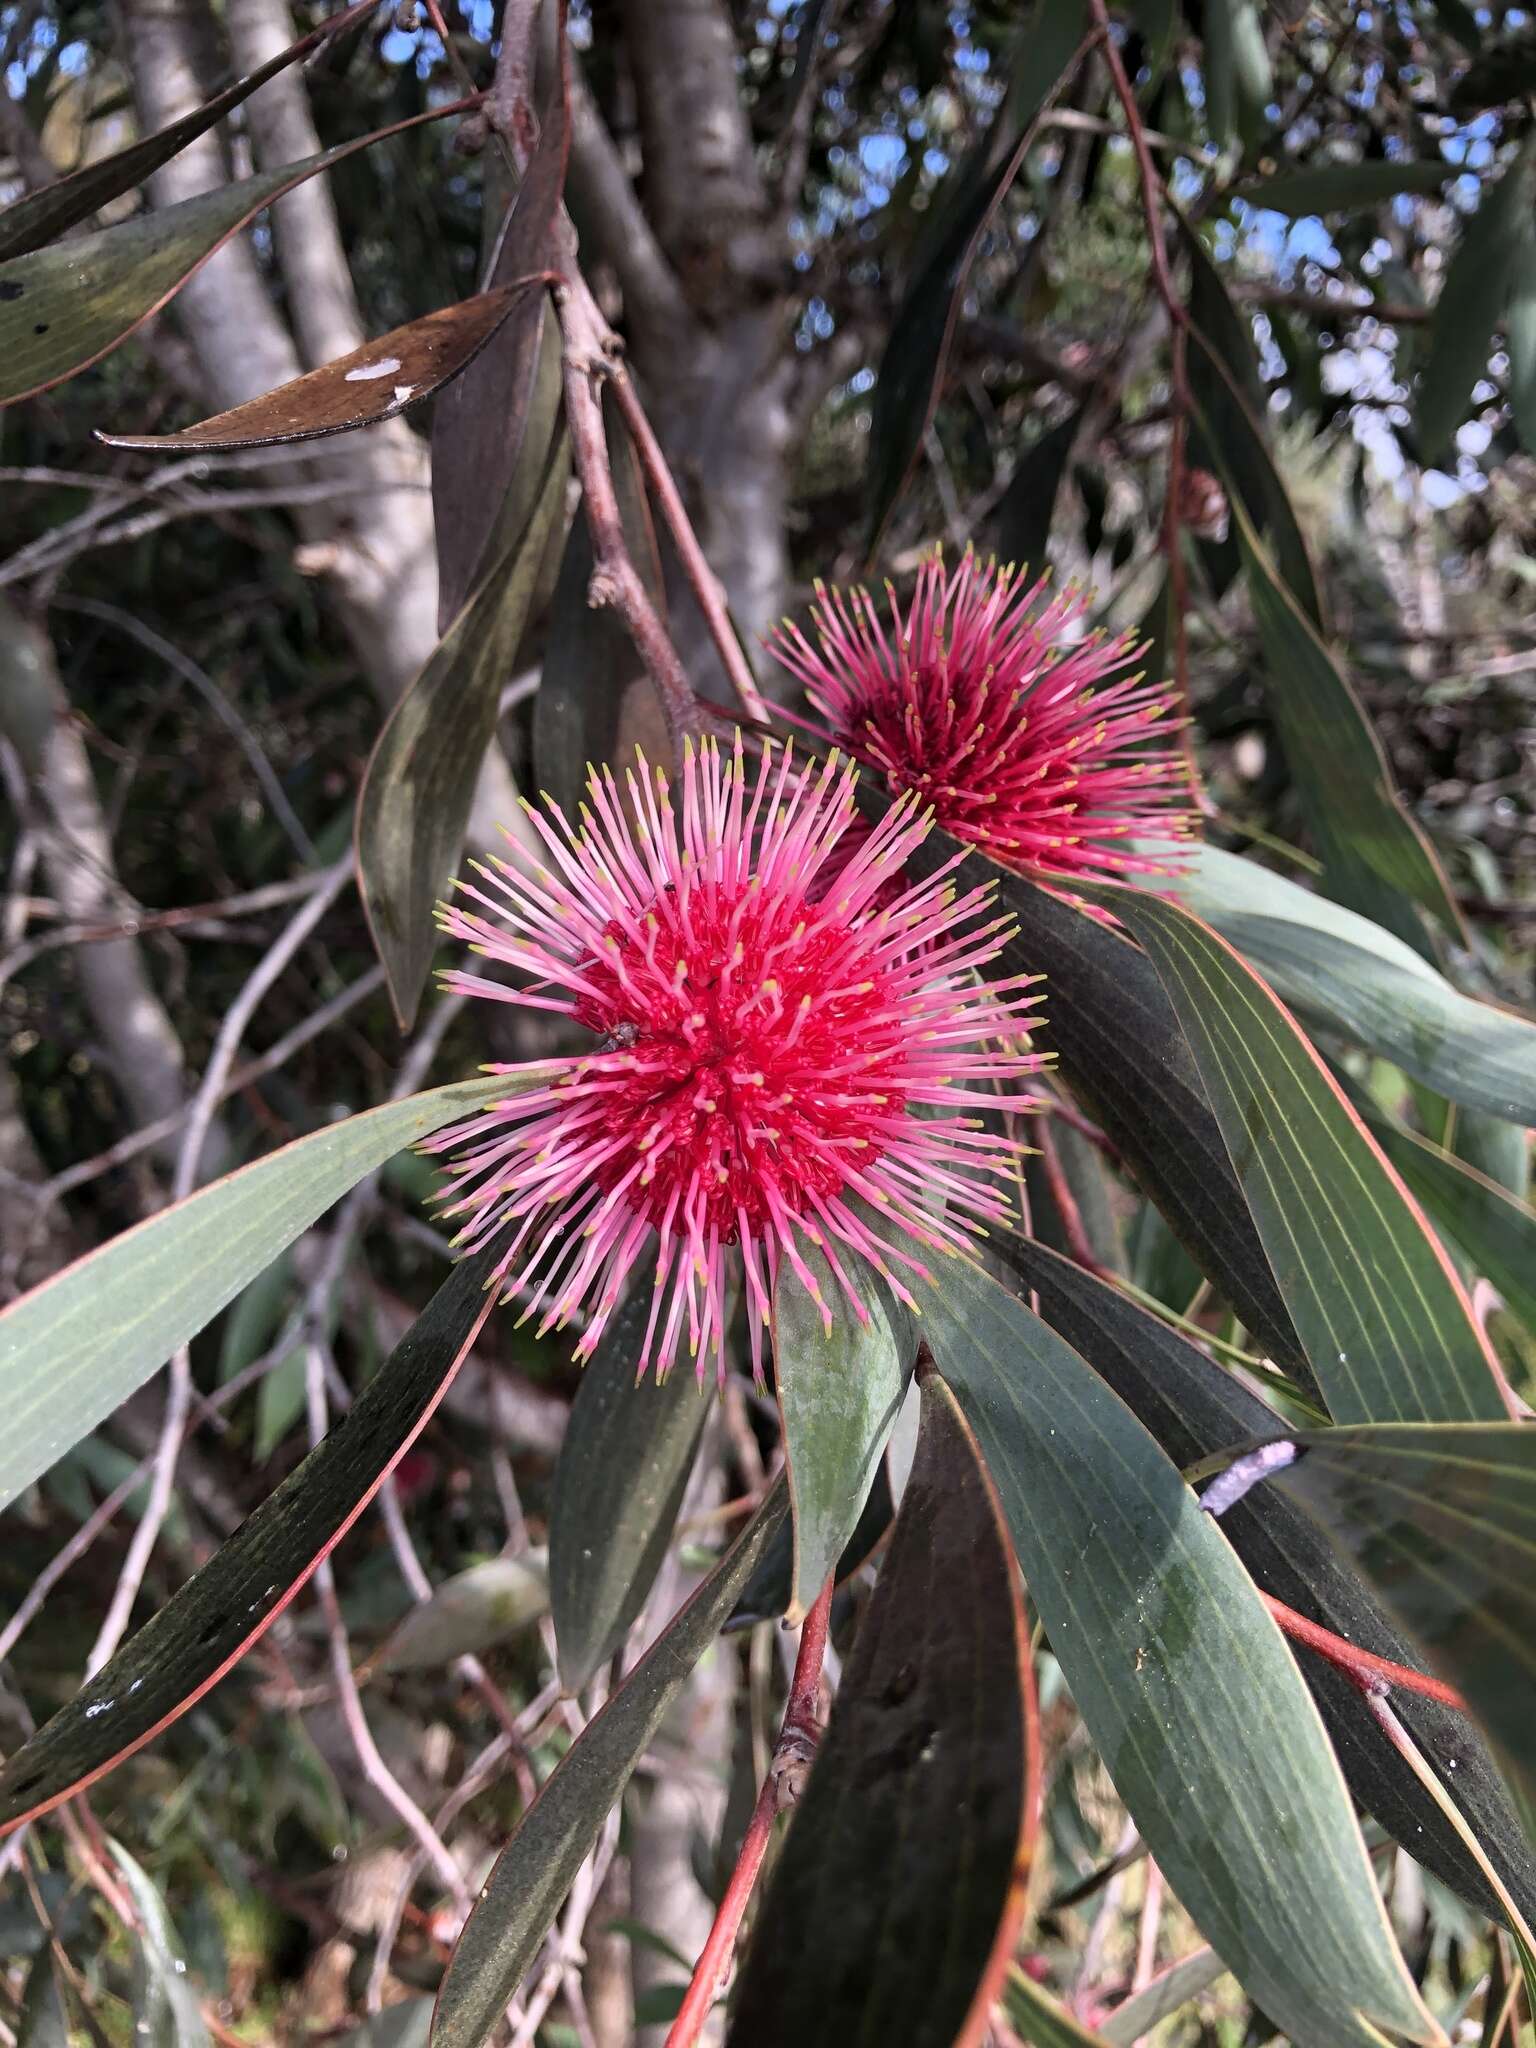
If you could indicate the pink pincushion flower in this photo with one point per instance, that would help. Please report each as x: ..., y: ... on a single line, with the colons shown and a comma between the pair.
x: 1038, y: 751
x: 761, y: 1049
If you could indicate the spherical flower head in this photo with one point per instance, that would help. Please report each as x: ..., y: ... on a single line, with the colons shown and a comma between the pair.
x: 1043, y: 753
x: 772, y: 1064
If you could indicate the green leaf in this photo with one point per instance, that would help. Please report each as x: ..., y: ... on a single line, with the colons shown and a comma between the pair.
x: 420, y: 781
x: 1238, y: 79
x: 1375, y: 858
x: 210, y: 1622
x: 1230, y: 435
x: 165, y: 2008
x: 619, y: 1483
x: 254, y: 1317
x: 911, y: 1846
x: 370, y: 384
x: 535, y: 1871
x: 1504, y: 71
x: 1182, y: 1679
x: 1028, y: 506
x: 1339, y: 970
x: 1040, y: 2019
x: 44, y: 2022
x: 1343, y: 188
x: 841, y: 1383
x: 475, y: 1610
x: 280, y: 1401
x: 75, y: 1348
x: 406, y: 2025
x: 1520, y: 341
x: 1496, y: 1231
x: 1471, y: 302
x: 594, y: 701
x: 1387, y: 1328
x: 42, y: 216
x: 64, y: 308
x: 1193, y: 1408
x: 1442, y: 1519
x: 916, y: 355
x: 1168, y: 1993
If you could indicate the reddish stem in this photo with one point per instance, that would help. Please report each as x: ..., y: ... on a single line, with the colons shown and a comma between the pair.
x: 1070, y: 1214
x: 781, y: 1787
x: 1370, y: 1674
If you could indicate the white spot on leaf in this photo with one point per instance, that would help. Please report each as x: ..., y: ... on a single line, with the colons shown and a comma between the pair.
x: 366, y: 372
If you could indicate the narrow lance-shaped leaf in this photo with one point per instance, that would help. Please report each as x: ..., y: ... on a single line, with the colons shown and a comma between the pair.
x: 75, y: 1348
x: 917, y: 350
x: 895, y: 1906
x: 1386, y: 1324
x: 1194, y: 1408
x: 534, y: 1872
x: 42, y: 216
x: 1182, y: 1678
x: 1375, y: 858
x: 64, y: 308
x: 1478, y: 278
x: 1344, y: 188
x: 1443, y: 1520
x: 623, y: 1469
x: 488, y: 418
x: 840, y: 1390
x: 1122, y: 1052
x: 166, y: 2012
x: 372, y: 383
x: 420, y: 782
x: 1338, y: 969
x: 210, y: 1623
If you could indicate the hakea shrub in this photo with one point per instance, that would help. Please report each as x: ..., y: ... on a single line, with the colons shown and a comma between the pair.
x: 1047, y: 753
x: 790, y: 1042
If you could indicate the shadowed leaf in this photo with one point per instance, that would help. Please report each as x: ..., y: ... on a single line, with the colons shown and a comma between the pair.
x: 767, y: 1595
x: 1234, y: 1788
x: 505, y: 401
x: 896, y: 1903
x: 1483, y: 267
x: 1026, y: 509
x: 473, y: 1611
x: 917, y: 349
x: 1040, y: 2019
x: 535, y: 1871
x: 373, y: 383
x: 44, y: 2022
x: 594, y: 700
x: 840, y: 1391
x: 1194, y: 1409
x: 42, y: 216
x: 1442, y: 1520
x: 1338, y: 969
x: 1343, y: 188
x: 1387, y: 1327
x: 420, y: 782
x: 75, y: 1348
x: 165, y: 2008
x: 210, y: 1623
x: 623, y: 1469
x: 64, y: 308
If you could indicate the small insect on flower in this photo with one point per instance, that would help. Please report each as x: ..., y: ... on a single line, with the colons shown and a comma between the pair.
x: 1039, y: 750
x: 767, y: 1050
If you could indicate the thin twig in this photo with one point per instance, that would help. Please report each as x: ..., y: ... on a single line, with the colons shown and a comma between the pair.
x: 781, y: 1788
x: 1370, y: 1673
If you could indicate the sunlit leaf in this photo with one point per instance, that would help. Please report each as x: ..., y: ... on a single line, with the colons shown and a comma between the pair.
x: 1385, y: 1322
x: 372, y: 383
x: 895, y: 1905
x: 1149, y: 1613
x: 623, y: 1469
x: 1338, y: 969
x: 209, y: 1624
x: 65, y: 307
x: 416, y: 794
x: 50, y: 211
x: 1194, y: 1408
x: 535, y: 1871
x: 840, y: 1390
x: 75, y: 1348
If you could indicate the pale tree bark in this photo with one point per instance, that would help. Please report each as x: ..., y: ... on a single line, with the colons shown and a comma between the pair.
x: 376, y: 543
